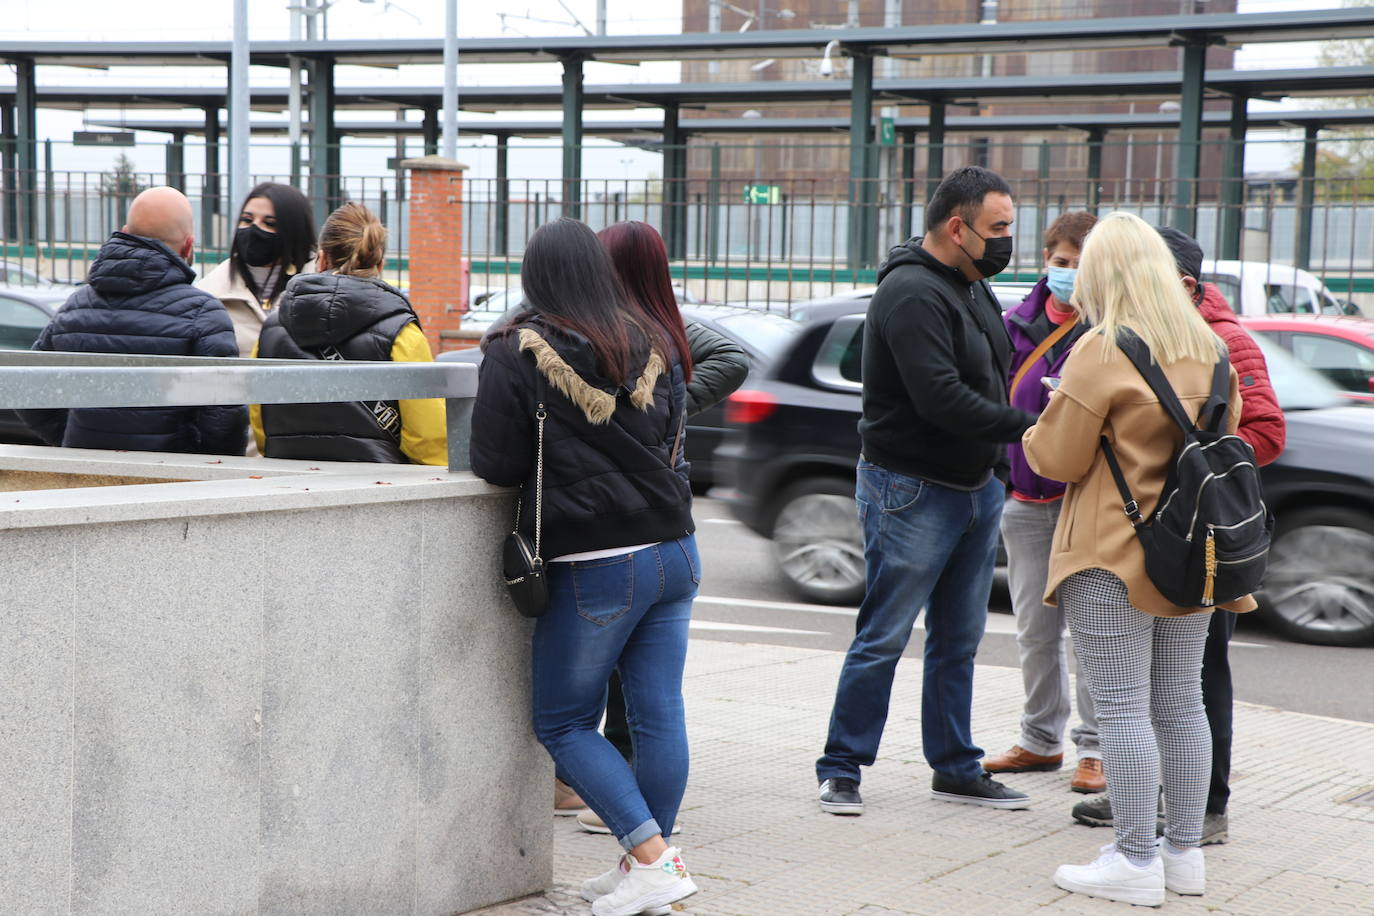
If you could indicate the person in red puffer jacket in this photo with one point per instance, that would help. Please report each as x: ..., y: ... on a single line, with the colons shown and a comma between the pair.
x: 1262, y: 426
x: 1261, y: 419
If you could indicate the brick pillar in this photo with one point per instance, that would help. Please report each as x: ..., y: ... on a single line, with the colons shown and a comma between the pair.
x: 438, y: 270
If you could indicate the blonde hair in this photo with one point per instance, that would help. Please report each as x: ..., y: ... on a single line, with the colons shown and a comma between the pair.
x: 1127, y: 278
x: 354, y: 241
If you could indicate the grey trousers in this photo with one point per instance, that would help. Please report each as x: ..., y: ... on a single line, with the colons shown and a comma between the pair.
x: 1027, y: 532
x: 1146, y: 678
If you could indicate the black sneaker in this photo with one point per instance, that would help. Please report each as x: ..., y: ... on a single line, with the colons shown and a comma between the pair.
x: 1097, y: 812
x: 984, y: 791
x: 841, y: 796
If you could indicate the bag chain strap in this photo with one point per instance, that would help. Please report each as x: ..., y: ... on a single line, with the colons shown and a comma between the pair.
x: 539, y: 413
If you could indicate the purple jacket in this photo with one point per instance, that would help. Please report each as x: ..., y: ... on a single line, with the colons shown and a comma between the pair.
x: 1027, y: 326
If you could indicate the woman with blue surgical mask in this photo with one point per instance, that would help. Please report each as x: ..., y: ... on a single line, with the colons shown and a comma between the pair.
x: 1043, y: 329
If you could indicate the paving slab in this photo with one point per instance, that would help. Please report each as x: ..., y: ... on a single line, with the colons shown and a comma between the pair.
x: 758, y: 844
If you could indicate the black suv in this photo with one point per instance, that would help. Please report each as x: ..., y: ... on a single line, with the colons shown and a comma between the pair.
x: 794, y: 441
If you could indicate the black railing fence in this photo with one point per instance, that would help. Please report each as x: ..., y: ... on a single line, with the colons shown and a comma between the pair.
x: 768, y: 222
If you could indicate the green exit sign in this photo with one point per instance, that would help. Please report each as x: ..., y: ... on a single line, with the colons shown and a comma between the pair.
x: 762, y: 194
x: 887, y: 132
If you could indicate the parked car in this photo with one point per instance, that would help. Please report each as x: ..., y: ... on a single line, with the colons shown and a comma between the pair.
x: 762, y: 335
x: 1337, y: 346
x: 24, y: 312
x: 1259, y: 288
x: 13, y: 273
x: 1009, y: 295
x: 790, y: 453
x: 488, y: 307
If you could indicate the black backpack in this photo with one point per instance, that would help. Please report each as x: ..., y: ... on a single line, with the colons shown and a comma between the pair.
x: 1207, y: 542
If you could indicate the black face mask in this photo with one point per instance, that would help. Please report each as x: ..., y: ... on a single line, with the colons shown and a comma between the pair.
x: 256, y: 246
x: 996, y: 254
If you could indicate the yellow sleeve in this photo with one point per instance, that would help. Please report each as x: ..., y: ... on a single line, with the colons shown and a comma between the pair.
x: 255, y: 417
x: 424, y: 429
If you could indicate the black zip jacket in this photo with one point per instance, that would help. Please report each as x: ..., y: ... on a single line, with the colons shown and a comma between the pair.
x: 607, y: 479
x: 935, y: 359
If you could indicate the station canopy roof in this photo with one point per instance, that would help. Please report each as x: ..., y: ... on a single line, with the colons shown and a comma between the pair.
x: 1260, y: 84
x: 651, y: 130
x: 905, y: 41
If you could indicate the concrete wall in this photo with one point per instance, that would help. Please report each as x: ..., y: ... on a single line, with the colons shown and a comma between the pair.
x: 302, y: 693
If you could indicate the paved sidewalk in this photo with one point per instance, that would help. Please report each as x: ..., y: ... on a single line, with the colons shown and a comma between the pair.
x: 757, y: 843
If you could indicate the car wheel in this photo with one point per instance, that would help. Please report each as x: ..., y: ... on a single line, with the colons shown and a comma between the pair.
x: 1320, y: 585
x: 818, y: 541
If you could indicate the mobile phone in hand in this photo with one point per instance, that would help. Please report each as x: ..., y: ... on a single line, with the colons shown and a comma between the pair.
x: 1050, y: 382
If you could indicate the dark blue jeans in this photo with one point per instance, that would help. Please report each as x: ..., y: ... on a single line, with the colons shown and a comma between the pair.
x: 628, y: 614
x: 928, y: 546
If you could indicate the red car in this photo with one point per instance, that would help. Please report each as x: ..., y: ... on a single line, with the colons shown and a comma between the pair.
x: 1340, y: 347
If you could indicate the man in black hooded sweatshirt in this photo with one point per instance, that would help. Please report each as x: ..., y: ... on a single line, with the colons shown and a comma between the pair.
x: 935, y: 418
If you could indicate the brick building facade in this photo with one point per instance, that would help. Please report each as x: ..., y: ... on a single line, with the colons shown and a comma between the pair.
x: 820, y: 163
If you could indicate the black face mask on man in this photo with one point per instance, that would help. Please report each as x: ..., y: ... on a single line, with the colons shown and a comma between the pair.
x: 256, y: 246
x: 996, y: 253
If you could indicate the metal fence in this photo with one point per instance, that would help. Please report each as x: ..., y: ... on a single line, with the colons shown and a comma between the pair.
x: 757, y: 235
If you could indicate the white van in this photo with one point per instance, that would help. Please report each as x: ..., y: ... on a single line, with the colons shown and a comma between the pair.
x: 1259, y: 288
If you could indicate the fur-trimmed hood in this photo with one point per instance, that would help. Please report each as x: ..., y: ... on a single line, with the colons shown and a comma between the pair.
x: 566, y: 361
x: 614, y: 475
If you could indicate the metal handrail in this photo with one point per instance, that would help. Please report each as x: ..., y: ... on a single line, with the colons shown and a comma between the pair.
x: 38, y: 380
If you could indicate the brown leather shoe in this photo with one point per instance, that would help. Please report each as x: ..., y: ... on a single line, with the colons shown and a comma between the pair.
x: 1089, y: 776
x: 1020, y: 760
x: 566, y: 802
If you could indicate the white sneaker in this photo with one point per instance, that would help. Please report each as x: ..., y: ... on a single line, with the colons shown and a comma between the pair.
x: 602, y: 885
x: 643, y: 888
x: 1114, y: 877
x: 1185, y: 871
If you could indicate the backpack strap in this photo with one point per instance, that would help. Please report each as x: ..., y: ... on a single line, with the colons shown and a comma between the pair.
x: 1129, y: 505
x: 1214, y: 411
x: 1138, y: 352
x: 1211, y: 417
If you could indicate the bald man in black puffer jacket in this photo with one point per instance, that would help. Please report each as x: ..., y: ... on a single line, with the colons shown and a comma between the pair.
x: 139, y: 299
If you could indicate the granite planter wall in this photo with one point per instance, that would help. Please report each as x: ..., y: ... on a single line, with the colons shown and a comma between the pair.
x: 277, y: 687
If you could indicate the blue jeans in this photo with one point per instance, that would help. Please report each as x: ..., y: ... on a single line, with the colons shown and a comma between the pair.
x: 929, y: 546
x: 629, y: 614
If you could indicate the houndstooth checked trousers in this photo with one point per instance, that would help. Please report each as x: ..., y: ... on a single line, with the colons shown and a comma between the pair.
x: 1145, y: 675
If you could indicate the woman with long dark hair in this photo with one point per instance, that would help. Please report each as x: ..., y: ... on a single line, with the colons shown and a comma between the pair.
x: 714, y: 367
x: 346, y: 311
x: 274, y: 240
x: 603, y: 390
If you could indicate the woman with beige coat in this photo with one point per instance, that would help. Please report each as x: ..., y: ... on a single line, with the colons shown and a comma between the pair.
x: 274, y: 241
x: 1141, y: 653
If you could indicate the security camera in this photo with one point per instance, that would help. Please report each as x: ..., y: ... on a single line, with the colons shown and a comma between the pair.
x: 828, y: 68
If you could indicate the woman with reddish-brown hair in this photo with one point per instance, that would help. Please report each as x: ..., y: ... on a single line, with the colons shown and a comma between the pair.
x: 714, y: 365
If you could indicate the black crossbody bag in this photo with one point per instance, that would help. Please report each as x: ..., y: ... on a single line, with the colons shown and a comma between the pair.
x: 522, y: 562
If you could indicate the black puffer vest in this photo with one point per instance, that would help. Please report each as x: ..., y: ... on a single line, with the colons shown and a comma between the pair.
x: 334, y: 316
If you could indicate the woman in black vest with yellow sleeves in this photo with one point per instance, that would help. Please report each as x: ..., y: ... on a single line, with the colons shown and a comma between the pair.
x: 347, y: 312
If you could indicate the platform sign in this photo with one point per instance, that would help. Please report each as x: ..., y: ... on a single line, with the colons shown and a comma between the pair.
x: 762, y: 194
x: 102, y: 138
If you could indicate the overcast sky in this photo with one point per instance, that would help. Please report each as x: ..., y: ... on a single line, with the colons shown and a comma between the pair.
x: 151, y: 20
